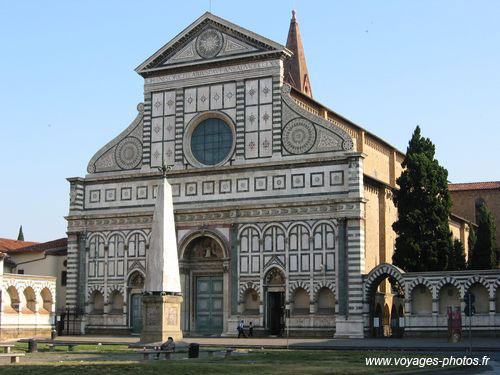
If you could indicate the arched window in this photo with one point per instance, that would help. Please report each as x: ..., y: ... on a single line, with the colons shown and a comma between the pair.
x: 478, y: 204
x: 274, y: 239
x: 300, y: 302
x: 421, y: 300
x: 136, y: 246
x: 324, y: 237
x: 249, y: 240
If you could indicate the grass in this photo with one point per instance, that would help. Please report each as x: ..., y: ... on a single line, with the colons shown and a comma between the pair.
x: 23, y: 347
x: 280, y: 362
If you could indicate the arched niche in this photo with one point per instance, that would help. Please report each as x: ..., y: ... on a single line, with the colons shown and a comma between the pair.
x: 47, y: 301
x: 300, y: 302
x: 421, y: 300
x: 251, y: 302
x: 326, y: 301
x: 449, y: 295
x: 96, y: 303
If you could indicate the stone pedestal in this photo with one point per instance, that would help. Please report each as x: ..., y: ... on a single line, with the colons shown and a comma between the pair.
x: 348, y: 328
x: 161, y: 317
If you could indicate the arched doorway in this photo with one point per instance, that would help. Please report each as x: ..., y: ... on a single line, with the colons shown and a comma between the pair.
x: 202, y: 263
x: 384, y: 287
x: 135, y: 289
x: 274, y: 287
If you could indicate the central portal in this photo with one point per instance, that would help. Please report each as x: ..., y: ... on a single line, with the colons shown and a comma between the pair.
x: 203, y: 279
x: 209, y: 297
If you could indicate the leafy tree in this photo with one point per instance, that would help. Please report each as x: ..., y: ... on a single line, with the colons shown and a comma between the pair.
x: 423, y: 201
x: 484, y: 254
x: 456, y: 257
x: 20, y: 236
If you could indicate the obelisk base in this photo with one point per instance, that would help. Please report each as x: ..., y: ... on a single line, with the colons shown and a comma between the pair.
x: 161, y: 318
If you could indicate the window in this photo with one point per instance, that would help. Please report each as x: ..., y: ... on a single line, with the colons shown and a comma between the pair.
x: 211, y: 141
x: 64, y: 276
x: 478, y: 204
x: 20, y: 272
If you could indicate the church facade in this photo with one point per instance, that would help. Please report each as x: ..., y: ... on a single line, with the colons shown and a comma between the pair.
x: 281, y: 205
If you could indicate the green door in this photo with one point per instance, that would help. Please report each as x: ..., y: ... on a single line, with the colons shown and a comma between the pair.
x: 209, y: 297
x: 136, y: 313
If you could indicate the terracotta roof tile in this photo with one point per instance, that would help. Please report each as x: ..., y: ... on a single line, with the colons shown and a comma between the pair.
x: 8, y: 244
x: 36, y: 247
x: 474, y: 186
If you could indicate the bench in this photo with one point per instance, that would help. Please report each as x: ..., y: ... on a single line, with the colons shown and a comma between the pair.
x: 71, y: 346
x: 146, y: 353
x: 14, y: 357
x: 6, y: 347
x: 210, y: 352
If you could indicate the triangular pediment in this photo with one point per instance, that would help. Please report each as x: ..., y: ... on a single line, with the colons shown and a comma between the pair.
x: 208, y: 39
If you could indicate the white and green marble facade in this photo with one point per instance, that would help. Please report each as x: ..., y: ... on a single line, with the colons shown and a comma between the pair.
x: 288, y: 198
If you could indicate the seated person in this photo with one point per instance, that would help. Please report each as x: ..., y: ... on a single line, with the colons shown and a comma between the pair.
x: 168, y: 345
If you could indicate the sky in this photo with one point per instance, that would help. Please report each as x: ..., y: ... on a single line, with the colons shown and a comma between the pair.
x: 68, y: 86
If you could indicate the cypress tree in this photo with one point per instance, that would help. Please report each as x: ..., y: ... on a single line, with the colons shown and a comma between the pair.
x: 423, y: 201
x: 456, y: 259
x: 20, y: 236
x: 484, y: 255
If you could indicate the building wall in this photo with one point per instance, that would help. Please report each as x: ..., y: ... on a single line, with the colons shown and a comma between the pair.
x: 373, y: 249
x: 464, y: 204
x: 27, y: 306
x: 37, y: 263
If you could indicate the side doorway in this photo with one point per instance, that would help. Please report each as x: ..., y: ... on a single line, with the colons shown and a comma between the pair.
x: 136, y: 313
x: 275, y: 312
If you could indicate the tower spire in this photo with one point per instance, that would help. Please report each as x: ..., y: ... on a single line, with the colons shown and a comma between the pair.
x: 296, y: 73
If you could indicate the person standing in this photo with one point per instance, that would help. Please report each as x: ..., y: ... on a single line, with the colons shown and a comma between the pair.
x: 250, y: 329
x: 241, y: 330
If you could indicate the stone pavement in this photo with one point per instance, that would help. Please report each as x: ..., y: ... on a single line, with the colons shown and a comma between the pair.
x: 407, y: 344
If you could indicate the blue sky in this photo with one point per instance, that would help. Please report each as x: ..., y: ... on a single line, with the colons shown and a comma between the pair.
x: 68, y: 84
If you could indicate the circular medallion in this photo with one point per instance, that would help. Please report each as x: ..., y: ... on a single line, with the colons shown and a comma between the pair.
x: 209, y: 43
x: 128, y: 153
x: 299, y: 136
x: 347, y: 145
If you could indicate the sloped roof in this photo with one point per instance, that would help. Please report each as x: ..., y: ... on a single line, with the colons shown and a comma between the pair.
x: 7, y: 244
x: 41, y: 247
x: 488, y: 185
x: 155, y: 62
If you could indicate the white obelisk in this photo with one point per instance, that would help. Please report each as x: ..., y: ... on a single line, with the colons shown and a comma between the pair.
x: 162, y: 263
x: 161, y: 302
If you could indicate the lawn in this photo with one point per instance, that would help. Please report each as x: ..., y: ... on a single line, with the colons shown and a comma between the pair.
x: 117, y: 360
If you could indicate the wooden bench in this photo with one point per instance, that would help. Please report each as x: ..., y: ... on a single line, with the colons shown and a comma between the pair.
x: 6, y: 347
x: 14, y: 357
x: 146, y: 353
x: 52, y: 346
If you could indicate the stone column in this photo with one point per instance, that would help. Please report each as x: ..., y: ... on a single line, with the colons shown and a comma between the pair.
x: 226, y: 313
